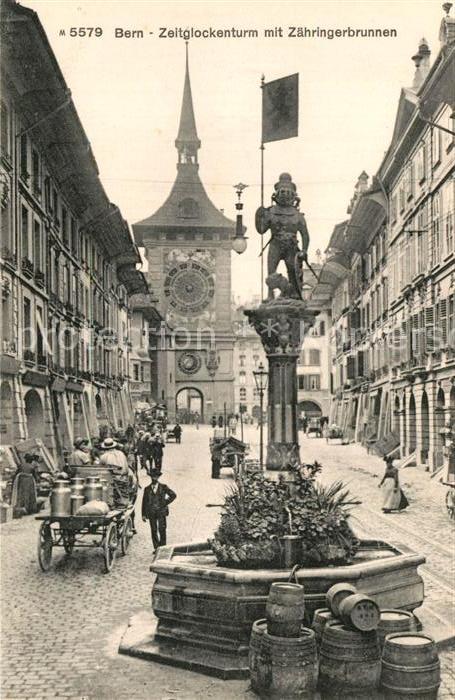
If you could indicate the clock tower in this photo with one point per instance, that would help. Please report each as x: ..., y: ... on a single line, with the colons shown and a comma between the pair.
x: 187, y: 244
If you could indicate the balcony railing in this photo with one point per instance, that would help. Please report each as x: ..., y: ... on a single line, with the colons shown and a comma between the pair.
x: 27, y: 267
x: 39, y: 278
x: 42, y: 362
x: 55, y: 368
x: 29, y: 357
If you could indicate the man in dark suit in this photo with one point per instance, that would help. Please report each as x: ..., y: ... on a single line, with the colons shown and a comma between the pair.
x: 155, y: 507
x: 155, y: 452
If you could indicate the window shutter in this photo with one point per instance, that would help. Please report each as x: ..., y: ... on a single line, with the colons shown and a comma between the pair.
x: 451, y: 321
x: 443, y: 321
x: 360, y: 369
x: 415, y: 339
x: 429, y: 329
x: 351, y: 368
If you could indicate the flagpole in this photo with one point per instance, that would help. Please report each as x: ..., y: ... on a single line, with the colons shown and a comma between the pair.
x: 262, y: 147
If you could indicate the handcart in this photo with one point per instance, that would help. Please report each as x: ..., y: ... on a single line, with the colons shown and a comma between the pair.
x: 110, y: 531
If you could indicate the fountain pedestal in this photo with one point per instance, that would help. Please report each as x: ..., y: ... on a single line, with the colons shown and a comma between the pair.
x: 281, y: 325
x: 204, y: 612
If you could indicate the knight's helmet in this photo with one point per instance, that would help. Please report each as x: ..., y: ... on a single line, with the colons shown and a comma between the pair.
x: 286, y: 187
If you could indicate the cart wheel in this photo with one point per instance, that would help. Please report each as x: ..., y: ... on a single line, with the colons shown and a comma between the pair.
x: 450, y: 503
x: 110, y: 547
x: 45, y: 546
x: 127, y: 535
x: 69, y: 539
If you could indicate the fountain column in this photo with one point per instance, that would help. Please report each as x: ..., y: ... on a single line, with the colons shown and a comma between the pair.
x: 281, y: 324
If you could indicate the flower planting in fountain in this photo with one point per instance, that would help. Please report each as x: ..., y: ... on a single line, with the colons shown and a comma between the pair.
x: 258, y: 512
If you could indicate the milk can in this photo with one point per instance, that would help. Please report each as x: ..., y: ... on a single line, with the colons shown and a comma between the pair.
x: 105, y: 491
x: 76, y: 502
x: 77, y: 486
x: 93, y: 490
x: 61, y: 498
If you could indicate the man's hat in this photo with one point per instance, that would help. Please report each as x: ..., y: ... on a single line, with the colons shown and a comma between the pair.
x: 108, y: 444
x: 80, y: 441
x: 155, y: 473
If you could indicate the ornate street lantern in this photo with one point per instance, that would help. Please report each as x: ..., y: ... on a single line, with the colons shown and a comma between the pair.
x: 261, y: 378
x: 239, y: 242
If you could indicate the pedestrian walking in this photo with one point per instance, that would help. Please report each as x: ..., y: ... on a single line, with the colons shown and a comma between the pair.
x: 155, y: 508
x: 24, y: 494
x: 155, y: 452
x: 393, y: 496
x: 178, y: 433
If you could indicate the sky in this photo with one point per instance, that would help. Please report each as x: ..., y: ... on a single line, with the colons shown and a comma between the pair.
x: 128, y: 94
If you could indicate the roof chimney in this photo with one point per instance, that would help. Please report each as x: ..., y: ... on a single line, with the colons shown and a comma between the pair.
x: 447, y: 28
x: 422, y: 64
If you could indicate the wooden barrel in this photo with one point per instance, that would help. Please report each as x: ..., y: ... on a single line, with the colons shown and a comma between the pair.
x: 360, y: 612
x: 349, y: 661
x: 285, y: 609
x: 336, y: 594
x: 258, y: 629
x: 288, y: 668
x: 394, y: 621
x: 321, y: 617
x: 410, y: 666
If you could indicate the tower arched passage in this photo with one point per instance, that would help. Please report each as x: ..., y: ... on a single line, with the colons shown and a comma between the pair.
x: 189, y: 405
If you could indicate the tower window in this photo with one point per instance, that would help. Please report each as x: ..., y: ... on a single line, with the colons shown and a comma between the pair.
x: 189, y: 209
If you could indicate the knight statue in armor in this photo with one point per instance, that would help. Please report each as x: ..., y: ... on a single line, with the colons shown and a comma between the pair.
x: 284, y: 220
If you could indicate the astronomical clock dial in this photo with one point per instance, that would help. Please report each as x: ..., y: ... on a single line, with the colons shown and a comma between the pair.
x: 189, y: 287
x: 189, y: 362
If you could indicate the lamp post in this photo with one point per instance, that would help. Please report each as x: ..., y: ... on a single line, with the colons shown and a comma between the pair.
x: 239, y: 241
x: 261, y: 377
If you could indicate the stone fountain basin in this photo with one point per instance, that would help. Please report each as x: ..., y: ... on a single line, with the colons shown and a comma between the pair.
x: 204, y: 612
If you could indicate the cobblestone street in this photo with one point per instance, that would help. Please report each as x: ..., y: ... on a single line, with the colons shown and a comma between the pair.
x: 61, y: 630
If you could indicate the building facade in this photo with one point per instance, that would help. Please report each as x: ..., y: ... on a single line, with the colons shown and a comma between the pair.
x: 188, y: 244
x: 390, y: 277
x: 314, y: 370
x: 248, y: 355
x: 68, y: 261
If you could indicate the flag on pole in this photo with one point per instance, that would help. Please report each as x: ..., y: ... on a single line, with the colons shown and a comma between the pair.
x: 280, y: 109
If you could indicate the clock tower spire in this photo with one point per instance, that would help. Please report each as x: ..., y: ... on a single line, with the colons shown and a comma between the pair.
x: 187, y: 141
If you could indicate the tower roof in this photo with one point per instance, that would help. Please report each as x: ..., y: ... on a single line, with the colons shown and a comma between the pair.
x: 188, y: 205
x: 187, y: 134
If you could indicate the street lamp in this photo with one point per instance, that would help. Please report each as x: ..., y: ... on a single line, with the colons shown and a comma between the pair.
x: 261, y: 377
x: 239, y: 241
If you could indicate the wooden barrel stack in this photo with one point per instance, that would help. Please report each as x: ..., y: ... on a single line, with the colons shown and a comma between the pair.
x: 350, y: 655
x: 361, y: 649
x: 283, y: 655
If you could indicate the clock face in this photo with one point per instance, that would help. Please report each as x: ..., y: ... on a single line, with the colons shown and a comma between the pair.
x: 189, y: 286
x: 189, y: 362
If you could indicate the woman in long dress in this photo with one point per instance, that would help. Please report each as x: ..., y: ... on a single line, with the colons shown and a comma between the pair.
x: 391, y: 488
